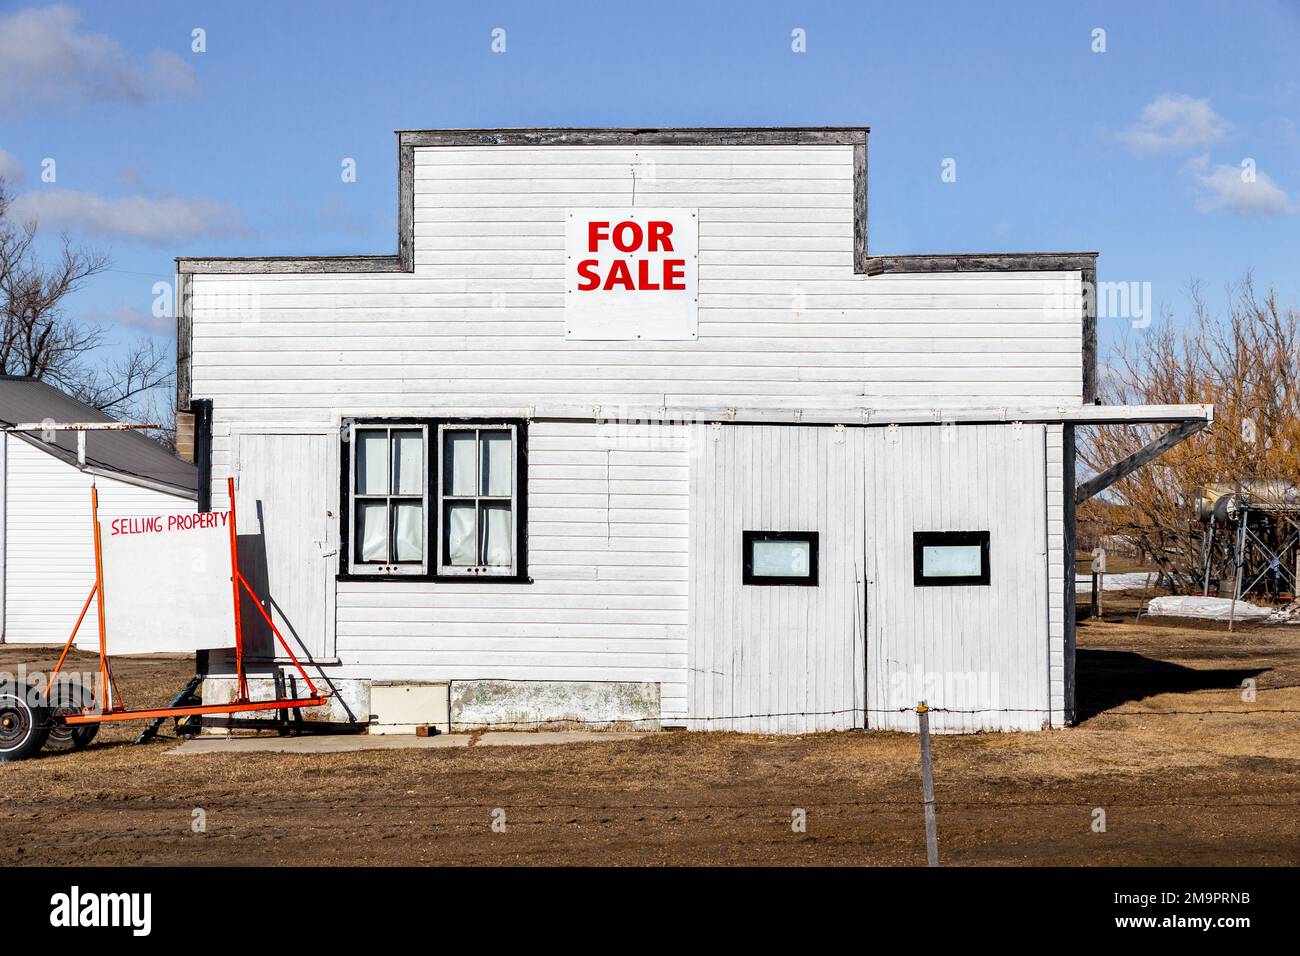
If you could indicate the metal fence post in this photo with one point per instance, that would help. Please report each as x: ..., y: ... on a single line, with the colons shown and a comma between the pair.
x: 927, y: 788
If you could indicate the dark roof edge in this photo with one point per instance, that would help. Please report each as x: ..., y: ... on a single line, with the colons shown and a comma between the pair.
x: 628, y: 135
x: 983, y: 262
x: 245, y: 265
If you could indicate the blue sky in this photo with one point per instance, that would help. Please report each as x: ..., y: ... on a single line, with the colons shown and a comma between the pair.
x: 1135, y: 152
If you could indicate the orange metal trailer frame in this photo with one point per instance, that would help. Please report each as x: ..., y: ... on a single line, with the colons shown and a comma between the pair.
x: 110, y: 706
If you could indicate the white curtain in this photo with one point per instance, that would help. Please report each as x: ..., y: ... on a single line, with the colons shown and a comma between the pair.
x: 459, y: 542
x: 408, y: 462
x: 496, y: 535
x: 372, y: 530
x: 372, y: 462
x: 461, y: 471
x: 496, y: 463
x: 409, y: 531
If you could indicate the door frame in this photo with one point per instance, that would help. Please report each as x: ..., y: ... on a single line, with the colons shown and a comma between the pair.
x: 330, y: 616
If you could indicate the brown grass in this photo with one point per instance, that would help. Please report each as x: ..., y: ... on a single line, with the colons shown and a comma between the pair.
x: 1178, y: 786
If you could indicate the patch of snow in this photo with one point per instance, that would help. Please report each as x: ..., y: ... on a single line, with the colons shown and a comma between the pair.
x: 1209, y: 609
x: 1129, y: 581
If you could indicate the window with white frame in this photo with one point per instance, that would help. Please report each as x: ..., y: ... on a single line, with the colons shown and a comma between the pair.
x: 389, y: 498
x: 478, y: 499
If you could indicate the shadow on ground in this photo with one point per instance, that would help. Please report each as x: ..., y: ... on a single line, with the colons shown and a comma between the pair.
x: 1109, y: 679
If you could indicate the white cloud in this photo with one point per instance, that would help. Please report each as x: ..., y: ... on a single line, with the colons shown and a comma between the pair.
x: 154, y: 219
x: 1227, y: 187
x: 11, y: 171
x: 46, y: 60
x: 127, y: 317
x: 1171, y: 122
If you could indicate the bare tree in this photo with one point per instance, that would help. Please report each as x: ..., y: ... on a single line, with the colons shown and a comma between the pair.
x: 1247, y: 363
x: 38, y: 339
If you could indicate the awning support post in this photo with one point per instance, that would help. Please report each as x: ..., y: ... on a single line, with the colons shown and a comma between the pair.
x: 1126, y: 466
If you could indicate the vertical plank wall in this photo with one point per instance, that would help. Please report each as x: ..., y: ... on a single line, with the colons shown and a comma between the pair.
x: 776, y: 658
x: 963, y: 647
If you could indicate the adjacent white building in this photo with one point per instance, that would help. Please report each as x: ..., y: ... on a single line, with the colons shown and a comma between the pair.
x: 633, y: 428
x: 47, y: 555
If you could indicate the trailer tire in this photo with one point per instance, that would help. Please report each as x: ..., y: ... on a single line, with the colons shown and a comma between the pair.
x: 24, y: 725
x: 69, y: 695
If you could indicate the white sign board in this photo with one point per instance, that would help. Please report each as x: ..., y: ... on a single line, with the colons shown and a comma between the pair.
x: 166, y: 584
x: 631, y: 274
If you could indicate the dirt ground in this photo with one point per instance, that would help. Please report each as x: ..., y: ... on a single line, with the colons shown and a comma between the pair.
x: 1186, y: 772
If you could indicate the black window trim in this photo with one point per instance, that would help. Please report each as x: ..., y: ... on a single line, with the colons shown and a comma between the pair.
x: 747, y: 557
x: 390, y: 566
x: 432, y: 518
x: 923, y: 539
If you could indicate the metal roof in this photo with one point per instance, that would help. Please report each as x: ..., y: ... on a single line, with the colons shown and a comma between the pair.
x: 126, y: 454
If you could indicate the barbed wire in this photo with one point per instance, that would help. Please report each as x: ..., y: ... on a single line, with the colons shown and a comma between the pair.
x: 471, y: 726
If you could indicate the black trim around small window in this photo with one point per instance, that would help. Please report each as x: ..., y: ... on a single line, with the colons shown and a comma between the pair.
x: 928, y: 539
x: 806, y: 580
x: 432, y: 518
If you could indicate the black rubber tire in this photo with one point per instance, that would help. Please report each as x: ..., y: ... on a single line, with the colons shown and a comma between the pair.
x: 69, y: 695
x: 24, y: 724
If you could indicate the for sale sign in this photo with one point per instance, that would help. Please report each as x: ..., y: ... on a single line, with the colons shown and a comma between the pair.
x: 167, y: 584
x: 631, y: 273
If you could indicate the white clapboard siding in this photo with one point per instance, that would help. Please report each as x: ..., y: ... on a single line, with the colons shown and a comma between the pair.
x: 964, y: 647
x: 49, y: 552
x: 783, y: 319
x: 774, y: 659
x: 607, y: 552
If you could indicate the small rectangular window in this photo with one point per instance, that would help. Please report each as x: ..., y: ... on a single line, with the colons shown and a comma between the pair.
x: 390, y: 498
x: 944, y: 558
x: 780, y: 557
x: 478, y: 498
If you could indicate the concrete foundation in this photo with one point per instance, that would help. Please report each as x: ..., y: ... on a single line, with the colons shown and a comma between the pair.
x: 472, y: 705
x: 548, y: 705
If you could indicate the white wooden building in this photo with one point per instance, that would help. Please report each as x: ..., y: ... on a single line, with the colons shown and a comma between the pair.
x: 633, y: 427
x: 47, y: 557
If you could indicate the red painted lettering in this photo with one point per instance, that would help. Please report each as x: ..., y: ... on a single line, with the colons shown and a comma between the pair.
x: 675, y: 275
x: 596, y: 232
x: 637, y: 236
x: 590, y: 277
x: 643, y: 276
x: 659, y: 233
x: 619, y: 275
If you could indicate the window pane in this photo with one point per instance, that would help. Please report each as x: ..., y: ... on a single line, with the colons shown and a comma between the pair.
x: 372, y: 531
x: 408, y: 462
x: 458, y: 536
x: 951, y: 561
x: 497, y: 551
x: 372, y: 462
x: 460, y: 471
x: 497, y: 478
x: 408, y: 530
x: 786, y: 559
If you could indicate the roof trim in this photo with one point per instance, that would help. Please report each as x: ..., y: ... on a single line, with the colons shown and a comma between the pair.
x: 983, y: 262
x: 639, y: 136
x: 1006, y: 414
x: 246, y: 265
x: 105, y: 471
